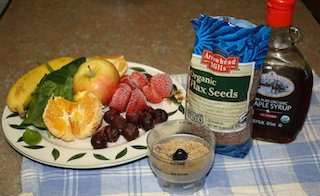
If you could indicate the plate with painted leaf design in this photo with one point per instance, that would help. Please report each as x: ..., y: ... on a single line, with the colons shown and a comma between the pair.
x: 80, y: 154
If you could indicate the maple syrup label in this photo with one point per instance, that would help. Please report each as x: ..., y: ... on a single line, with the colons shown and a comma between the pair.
x: 218, y: 91
x: 272, y: 104
x: 273, y: 85
x: 272, y: 112
x: 279, y: 116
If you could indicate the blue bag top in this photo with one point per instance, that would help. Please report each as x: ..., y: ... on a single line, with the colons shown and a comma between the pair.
x: 234, y: 36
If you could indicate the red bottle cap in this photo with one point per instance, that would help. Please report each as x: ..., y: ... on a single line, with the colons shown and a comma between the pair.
x: 280, y: 12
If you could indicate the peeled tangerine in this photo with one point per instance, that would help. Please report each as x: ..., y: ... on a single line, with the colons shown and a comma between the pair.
x: 73, y: 120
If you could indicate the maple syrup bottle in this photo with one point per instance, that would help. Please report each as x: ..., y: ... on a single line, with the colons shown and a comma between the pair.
x: 282, y: 102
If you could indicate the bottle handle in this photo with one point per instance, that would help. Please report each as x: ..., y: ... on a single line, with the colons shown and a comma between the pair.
x: 295, y: 34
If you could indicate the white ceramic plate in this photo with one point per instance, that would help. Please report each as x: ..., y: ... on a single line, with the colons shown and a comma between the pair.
x: 80, y: 154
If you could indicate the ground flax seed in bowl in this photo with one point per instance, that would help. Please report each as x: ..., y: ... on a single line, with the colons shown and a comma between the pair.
x: 181, y: 153
x: 193, y: 148
x: 224, y: 74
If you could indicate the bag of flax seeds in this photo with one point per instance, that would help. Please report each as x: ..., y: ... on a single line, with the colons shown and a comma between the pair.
x: 224, y: 74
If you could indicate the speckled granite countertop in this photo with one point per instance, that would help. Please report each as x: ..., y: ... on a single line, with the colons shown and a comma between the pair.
x: 156, y: 33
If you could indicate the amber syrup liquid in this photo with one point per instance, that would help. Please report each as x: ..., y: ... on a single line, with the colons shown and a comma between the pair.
x: 268, y: 124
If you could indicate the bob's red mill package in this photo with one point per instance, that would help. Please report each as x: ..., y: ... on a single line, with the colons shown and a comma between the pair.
x: 224, y: 74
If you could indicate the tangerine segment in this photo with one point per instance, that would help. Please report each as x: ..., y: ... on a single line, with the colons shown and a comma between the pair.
x: 86, y: 115
x: 70, y: 120
x: 56, y: 118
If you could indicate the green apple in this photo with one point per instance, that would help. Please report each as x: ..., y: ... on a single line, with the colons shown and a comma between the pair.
x: 98, y: 76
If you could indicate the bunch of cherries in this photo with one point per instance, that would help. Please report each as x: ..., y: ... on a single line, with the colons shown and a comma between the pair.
x: 128, y: 127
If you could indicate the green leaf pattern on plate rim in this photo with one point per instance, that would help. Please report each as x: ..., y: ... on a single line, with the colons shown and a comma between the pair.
x: 55, y: 153
x: 100, y: 157
x: 122, y: 153
x: 77, y: 156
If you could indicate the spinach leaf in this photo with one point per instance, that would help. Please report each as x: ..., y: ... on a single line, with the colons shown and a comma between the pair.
x: 57, y: 83
x: 31, y: 137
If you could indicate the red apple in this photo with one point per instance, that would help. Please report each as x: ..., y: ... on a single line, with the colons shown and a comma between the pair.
x: 98, y: 76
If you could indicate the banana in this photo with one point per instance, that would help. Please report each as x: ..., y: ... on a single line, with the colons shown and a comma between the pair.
x: 19, y: 95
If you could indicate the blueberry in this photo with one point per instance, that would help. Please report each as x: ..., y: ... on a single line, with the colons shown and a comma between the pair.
x: 180, y: 155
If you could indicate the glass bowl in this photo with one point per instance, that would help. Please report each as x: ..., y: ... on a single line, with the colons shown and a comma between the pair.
x: 181, y: 153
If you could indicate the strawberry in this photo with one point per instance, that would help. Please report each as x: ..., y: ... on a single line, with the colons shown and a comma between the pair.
x: 162, y: 84
x: 152, y: 95
x: 139, y: 79
x: 120, y: 97
x: 126, y: 79
x: 137, y: 101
